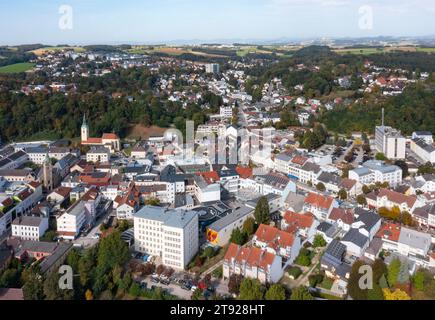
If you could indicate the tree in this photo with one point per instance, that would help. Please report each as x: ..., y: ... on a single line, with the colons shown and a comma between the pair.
x: 238, y: 237
x: 251, y: 289
x: 301, y: 293
x: 418, y: 280
x: 262, y: 213
x: 249, y: 226
x: 396, y: 295
x: 89, y: 295
x: 366, y: 189
x: 160, y: 269
x: 33, y: 286
x: 275, y: 292
x: 393, y: 271
x: 321, y: 187
x: 406, y: 218
x: 379, y: 269
x: 134, y: 290
x: 361, y: 200
x: 197, y: 294
x: 376, y: 293
x: 234, y: 283
x: 319, y: 241
x: 52, y: 290
x: 353, y: 287
x: 208, y: 252
x: 380, y: 156
x: 342, y: 194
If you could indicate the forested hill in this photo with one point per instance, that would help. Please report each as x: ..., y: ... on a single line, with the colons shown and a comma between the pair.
x: 411, y: 111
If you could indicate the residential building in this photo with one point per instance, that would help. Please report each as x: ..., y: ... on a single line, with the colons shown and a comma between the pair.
x: 319, y: 205
x: 170, y: 234
x: 98, y: 154
x: 29, y: 227
x: 374, y: 171
x: 252, y: 262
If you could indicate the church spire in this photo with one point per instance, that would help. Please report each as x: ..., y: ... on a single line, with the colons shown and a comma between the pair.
x: 84, y: 120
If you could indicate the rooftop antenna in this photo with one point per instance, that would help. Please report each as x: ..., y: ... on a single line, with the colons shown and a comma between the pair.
x: 383, y: 116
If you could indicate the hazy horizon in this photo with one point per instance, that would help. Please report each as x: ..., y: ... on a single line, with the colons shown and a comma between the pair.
x: 171, y: 21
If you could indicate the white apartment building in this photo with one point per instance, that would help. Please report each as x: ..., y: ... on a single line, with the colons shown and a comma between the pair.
x: 98, y: 154
x: 377, y: 171
x: 423, y: 149
x: 70, y: 223
x: 212, y: 68
x: 206, y: 192
x: 170, y: 234
x: 226, y: 112
x: 390, y: 142
x: 29, y: 228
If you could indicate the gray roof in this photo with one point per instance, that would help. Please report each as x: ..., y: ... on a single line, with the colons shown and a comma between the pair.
x: 377, y: 165
x: 172, y: 218
x: 230, y: 218
x: 415, y: 239
x: 370, y: 219
x: 60, y: 252
x: 283, y: 157
x: 355, y: 237
x: 422, y: 144
x: 28, y: 221
x: 327, y: 177
x: 309, y: 166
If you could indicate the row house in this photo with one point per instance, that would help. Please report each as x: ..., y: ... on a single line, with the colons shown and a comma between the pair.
x: 252, y: 262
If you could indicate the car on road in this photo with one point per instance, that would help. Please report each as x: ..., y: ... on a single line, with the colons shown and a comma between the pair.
x: 96, y: 236
x: 165, y: 282
x: 186, y: 287
x: 155, y: 280
x: 193, y: 288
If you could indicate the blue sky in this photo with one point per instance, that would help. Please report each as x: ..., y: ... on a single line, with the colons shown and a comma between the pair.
x: 145, y: 21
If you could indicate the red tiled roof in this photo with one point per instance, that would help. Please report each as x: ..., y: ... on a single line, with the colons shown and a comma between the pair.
x: 274, y: 237
x: 244, y: 172
x: 210, y: 177
x: 296, y: 221
x: 110, y: 136
x: 319, y: 200
x: 63, y: 191
x: 300, y: 160
x: 250, y: 255
x: 397, y: 197
x: 34, y: 184
x: 348, y: 183
x: 341, y: 214
x: 390, y: 231
x: 93, y: 141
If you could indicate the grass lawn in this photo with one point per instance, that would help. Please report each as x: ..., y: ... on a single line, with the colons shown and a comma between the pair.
x: 17, y: 67
x: 326, y: 283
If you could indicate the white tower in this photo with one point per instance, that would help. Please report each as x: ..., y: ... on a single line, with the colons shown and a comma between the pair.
x: 85, y: 130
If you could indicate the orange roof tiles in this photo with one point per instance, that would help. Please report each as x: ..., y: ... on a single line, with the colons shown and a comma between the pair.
x: 390, y: 231
x: 319, y: 200
x: 244, y: 172
x: 300, y: 160
x: 252, y: 256
x: 110, y: 136
x: 274, y: 237
x: 93, y: 141
x: 296, y: 221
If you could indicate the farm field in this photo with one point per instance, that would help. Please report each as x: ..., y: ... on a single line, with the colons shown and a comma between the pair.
x: 42, y: 51
x: 17, y: 67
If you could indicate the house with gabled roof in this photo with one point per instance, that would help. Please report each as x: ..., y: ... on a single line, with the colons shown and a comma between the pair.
x: 319, y: 205
x: 285, y: 244
x: 252, y: 262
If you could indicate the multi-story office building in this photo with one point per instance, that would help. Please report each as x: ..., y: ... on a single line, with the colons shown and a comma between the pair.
x: 390, y: 142
x: 170, y: 234
x: 377, y: 171
x: 212, y: 68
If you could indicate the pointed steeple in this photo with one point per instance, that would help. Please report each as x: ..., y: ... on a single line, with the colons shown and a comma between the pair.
x: 47, y: 160
x: 84, y: 121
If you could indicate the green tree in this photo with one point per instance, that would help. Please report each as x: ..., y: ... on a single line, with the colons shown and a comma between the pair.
x: 418, y: 280
x: 249, y: 226
x: 301, y: 293
x: 321, y: 187
x: 353, y: 287
x: 238, y: 237
x: 319, y: 241
x: 33, y: 285
x: 135, y: 290
x: 402, y: 165
x: 275, y: 292
x: 262, y: 213
x: 393, y: 271
x: 361, y: 200
x: 342, y: 194
x: 381, y: 156
x: 251, y: 289
x: 197, y: 294
x: 375, y: 293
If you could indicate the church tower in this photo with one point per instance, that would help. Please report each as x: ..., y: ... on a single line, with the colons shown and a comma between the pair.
x: 85, y: 130
x: 47, y: 174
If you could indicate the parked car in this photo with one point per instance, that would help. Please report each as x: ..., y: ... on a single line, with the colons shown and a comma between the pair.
x: 165, y: 282
x: 155, y: 280
x: 193, y: 288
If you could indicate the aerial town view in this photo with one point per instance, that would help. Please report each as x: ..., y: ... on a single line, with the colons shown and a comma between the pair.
x: 217, y: 150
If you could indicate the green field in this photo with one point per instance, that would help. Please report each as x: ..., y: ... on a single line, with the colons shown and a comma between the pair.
x: 17, y: 67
